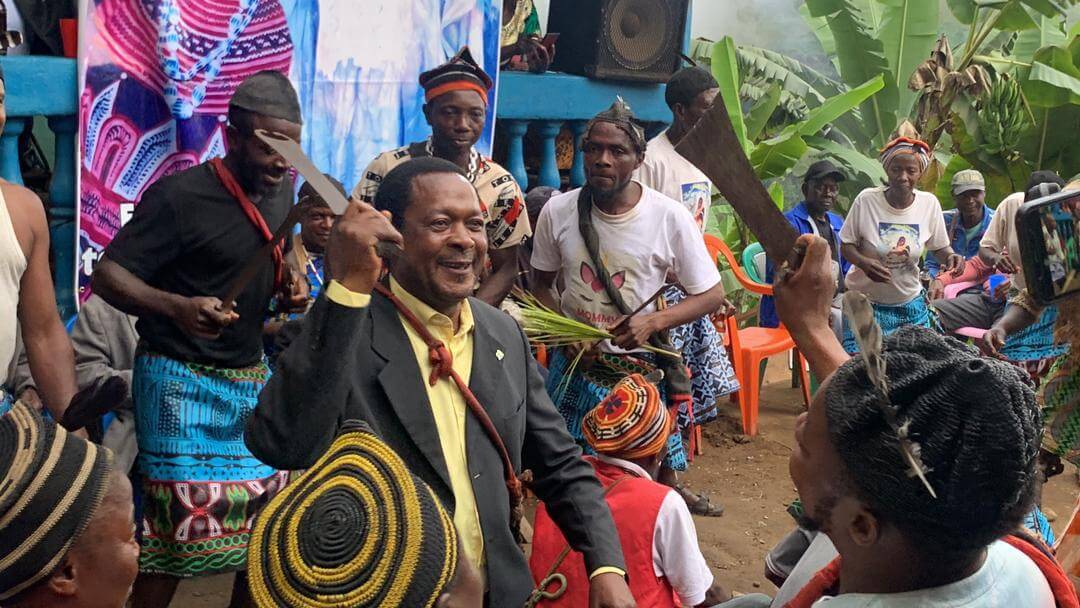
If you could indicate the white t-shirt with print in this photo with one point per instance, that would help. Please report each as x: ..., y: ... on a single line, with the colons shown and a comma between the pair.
x: 639, y: 248
x: 669, y: 173
x: 1007, y: 579
x: 898, y: 236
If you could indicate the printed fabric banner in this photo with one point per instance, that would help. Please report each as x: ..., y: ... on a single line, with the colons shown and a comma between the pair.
x: 158, y: 75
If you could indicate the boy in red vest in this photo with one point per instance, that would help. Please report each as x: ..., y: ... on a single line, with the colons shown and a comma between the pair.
x: 629, y: 431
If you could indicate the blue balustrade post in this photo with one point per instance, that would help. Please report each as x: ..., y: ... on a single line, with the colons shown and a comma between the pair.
x: 9, y: 150
x: 549, y: 164
x: 515, y: 150
x: 62, y: 220
x: 577, y: 169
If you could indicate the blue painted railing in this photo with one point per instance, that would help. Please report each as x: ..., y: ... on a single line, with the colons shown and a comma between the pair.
x: 47, y: 86
x: 545, y: 102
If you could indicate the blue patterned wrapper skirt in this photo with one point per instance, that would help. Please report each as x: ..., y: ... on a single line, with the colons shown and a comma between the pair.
x: 201, y: 487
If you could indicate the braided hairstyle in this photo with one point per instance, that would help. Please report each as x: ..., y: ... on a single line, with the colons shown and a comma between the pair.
x: 978, y: 428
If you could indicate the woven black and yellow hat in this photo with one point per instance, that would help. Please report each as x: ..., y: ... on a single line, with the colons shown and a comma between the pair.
x: 356, y: 529
x: 51, y: 483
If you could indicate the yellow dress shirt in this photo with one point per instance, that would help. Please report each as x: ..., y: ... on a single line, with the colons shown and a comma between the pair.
x: 447, y: 404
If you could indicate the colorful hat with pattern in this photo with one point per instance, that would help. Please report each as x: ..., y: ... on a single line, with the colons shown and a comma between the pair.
x: 631, y: 422
x: 459, y: 73
x: 356, y: 529
x: 51, y: 483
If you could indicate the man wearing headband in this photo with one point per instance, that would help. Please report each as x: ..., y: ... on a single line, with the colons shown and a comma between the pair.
x: 628, y: 431
x: 969, y: 423
x: 456, y: 93
x: 67, y: 534
x: 27, y: 299
x: 885, y: 234
x: 445, y: 379
x: 199, y: 369
x: 615, y: 243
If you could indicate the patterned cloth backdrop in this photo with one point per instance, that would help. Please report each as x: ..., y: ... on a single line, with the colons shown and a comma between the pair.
x: 159, y: 75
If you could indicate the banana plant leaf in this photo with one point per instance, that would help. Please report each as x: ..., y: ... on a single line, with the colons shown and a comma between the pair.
x: 725, y: 69
x: 836, y: 106
x: 852, y: 159
x: 964, y: 10
x: 861, y: 56
x: 776, y: 191
x: 1050, y: 32
x: 909, y: 29
x: 761, y: 111
x: 776, y: 156
x: 1053, y: 80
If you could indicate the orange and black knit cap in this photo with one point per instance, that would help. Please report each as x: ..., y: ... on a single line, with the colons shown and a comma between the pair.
x: 459, y: 73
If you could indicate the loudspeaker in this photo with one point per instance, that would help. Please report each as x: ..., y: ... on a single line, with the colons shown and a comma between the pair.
x: 619, y: 39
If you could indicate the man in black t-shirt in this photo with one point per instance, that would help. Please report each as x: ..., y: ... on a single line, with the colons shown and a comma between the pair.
x: 198, y: 370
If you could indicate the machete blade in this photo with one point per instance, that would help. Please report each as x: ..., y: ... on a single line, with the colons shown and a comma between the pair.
x: 712, y: 146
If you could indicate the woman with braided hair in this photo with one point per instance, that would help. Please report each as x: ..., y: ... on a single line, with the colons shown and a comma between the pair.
x: 917, y: 461
x: 885, y: 234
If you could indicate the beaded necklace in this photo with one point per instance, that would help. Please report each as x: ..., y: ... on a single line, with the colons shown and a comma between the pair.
x: 474, y: 158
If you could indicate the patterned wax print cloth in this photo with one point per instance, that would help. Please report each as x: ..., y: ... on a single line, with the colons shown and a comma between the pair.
x: 1036, y: 341
x: 576, y: 392
x: 893, y: 317
x: 711, y: 373
x: 201, y: 487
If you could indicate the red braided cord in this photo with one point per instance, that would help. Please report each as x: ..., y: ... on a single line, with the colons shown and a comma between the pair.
x: 442, y: 366
x: 252, y: 213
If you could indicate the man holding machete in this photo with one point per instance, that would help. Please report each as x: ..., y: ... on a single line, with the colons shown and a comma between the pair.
x: 615, y: 241
x: 199, y: 369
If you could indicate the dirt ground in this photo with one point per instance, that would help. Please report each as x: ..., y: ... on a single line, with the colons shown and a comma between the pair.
x: 749, y: 476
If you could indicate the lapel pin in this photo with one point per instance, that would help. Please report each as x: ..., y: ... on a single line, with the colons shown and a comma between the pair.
x: 499, y: 354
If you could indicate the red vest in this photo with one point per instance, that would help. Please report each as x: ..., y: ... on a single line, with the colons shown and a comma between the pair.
x: 634, y: 504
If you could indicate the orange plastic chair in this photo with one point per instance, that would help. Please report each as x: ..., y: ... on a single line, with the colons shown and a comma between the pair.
x: 752, y: 345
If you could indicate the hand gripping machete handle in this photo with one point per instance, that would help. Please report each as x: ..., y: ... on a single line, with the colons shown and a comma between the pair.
x: 294, y: 155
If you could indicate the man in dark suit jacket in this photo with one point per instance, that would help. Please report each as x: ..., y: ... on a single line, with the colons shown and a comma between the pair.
x: 357, y: 358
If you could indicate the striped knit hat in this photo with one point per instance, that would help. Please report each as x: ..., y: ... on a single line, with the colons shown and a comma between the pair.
x: 906, y: 145
x: 460, y: 73
x: 51, y: 483
x: 356, y: 529
x: 631, y: 422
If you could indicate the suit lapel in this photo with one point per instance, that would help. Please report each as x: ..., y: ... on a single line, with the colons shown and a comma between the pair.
x: 487, y: 376
x: 403, y: 385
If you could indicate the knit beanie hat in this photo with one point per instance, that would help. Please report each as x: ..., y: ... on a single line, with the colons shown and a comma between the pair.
x: 631, y: 422
x: 356, y: 529
x: 51, y: 483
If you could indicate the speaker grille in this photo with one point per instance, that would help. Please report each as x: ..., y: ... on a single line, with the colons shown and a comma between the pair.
x: 637, y: 32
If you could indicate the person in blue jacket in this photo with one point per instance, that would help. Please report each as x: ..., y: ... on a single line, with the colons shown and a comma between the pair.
x: 967, y: 223
x: 814, y: 215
